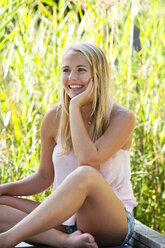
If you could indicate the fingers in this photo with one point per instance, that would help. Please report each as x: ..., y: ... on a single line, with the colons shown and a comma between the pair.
x: 91, y: 87
x: 86, y: 96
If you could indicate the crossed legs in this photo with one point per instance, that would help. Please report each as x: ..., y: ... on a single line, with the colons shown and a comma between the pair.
x: 10, y: 216
x: 84, y: 191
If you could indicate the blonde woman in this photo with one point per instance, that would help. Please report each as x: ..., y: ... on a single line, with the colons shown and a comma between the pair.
x: 85, y: 143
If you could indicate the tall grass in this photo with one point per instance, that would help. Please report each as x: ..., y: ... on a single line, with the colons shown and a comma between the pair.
x: 32, y: 39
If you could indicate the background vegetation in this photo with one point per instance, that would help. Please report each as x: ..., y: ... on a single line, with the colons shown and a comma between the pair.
x: 32, y: 38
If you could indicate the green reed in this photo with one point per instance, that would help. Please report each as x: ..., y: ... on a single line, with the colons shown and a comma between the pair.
x: 32, y: 38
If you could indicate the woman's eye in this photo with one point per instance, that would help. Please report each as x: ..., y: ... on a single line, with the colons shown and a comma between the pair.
x: 81, y: 69
x: 66, y: 70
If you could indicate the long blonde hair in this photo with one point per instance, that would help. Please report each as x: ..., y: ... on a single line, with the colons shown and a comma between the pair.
x: 101, y: 101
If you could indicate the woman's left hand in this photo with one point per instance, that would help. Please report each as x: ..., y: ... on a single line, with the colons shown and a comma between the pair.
x: 85, y: 97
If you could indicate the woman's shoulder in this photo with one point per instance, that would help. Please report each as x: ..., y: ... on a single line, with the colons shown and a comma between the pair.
x: 53, y: 114
x: 123, y: 120
x: 51, y: 121
x: 120, y: 111
x: 121, y: 116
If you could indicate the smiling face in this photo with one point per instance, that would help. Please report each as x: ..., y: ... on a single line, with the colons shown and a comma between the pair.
x: 76, y: 73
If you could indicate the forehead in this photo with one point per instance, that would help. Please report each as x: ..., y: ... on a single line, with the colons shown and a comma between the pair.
x: 73, y: 58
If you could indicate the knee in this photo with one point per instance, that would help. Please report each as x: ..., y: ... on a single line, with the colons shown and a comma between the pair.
x: 85, y: 176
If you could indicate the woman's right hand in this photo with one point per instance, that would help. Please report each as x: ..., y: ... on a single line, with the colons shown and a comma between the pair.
x: 85, y: 97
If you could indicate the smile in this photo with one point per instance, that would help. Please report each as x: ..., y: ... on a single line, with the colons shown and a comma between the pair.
x: 73, y: 86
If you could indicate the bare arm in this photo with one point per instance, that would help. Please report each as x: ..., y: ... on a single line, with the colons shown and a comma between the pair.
x: 30, y: 185
x: 43, y: 178
x: 117, y: 134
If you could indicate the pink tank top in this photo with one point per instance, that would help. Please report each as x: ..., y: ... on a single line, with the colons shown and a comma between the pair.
x: 115, y: 170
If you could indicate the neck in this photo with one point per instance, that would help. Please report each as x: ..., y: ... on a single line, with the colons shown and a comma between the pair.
x: 85, y: 110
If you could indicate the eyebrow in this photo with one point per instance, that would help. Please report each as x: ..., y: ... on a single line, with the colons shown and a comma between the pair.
x: 67, y: 66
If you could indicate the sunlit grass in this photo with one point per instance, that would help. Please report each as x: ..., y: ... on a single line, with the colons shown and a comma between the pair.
x: 32, y: 39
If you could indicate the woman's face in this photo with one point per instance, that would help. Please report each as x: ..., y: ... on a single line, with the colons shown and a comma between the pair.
x: 76, y: 73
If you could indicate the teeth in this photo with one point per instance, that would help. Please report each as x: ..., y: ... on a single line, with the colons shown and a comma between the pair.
x: 75, y: 86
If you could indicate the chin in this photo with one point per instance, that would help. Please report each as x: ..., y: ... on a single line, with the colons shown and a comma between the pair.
x: 73, y: 95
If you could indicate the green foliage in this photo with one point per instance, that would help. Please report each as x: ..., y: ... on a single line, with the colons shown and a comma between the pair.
x: 33, y: 35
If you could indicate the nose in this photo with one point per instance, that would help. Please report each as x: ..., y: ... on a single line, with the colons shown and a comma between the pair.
x: 72, y: 75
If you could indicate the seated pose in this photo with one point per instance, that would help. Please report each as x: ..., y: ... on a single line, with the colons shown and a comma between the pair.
x: 85, y: 143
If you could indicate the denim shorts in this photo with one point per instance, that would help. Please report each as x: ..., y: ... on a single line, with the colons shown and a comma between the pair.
x: 131, y: 224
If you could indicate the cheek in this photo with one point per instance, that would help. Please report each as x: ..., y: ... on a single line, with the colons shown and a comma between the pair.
x: 86, y: 78
x: 64, y: 81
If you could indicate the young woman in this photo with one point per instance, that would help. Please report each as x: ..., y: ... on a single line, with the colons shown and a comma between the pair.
x: 85, y: 151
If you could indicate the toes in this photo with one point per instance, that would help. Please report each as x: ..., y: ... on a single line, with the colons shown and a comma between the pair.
x: 88, y: 238
x: 91, y: 238
x: 94, y: 245
x: 79, y: 239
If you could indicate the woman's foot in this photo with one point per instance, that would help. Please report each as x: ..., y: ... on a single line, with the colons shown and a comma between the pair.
x: 81, y: 240
x: 74, y: 240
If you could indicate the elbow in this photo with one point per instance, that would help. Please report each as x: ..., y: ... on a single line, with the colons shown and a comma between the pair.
x: 46, y: 180
x: 49, y: 182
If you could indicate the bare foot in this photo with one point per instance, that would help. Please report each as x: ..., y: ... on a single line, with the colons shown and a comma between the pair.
x: 81, y: 240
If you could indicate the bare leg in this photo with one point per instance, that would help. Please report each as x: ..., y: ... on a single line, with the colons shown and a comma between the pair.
x: 11, y: 216
x: 69, y: 199
x: 22, y: 204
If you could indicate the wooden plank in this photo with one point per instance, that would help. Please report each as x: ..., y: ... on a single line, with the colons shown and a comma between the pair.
x: 25, y: 245
x: 136, y: 244
x: 147, y: 237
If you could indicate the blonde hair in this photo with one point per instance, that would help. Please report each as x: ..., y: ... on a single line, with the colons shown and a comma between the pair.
x: 101, y: 102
